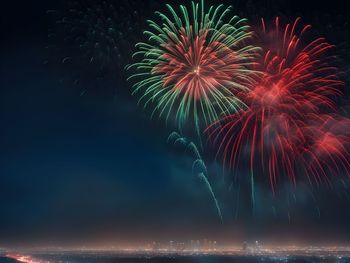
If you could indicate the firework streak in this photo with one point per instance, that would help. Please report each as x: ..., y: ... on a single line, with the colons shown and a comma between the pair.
x: 198, y: 167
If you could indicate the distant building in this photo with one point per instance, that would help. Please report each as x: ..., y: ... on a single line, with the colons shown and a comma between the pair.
x: 192, y: 245
x: 197, y: 245
x: 155, y: 246
x: 180, y: 246
x: 171, y: 246
x: 257, y: 247
x: 245, y: 246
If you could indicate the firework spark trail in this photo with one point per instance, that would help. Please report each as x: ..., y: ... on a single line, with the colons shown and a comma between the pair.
x: 288, y: 109
x: 328, y: 142
x: 198, y: 167
x: 199, y: 164
x: 210, y: 189
x: 237, y: 201
x: 193, y: 64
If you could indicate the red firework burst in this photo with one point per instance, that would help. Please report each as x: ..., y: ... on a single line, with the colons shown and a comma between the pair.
x: 325, y: 151
x: 278, y: 131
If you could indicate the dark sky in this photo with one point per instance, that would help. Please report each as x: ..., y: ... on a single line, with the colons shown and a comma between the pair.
x: 94, y: 166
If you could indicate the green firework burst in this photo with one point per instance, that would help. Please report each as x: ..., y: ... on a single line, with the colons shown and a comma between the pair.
x: 193, y: 65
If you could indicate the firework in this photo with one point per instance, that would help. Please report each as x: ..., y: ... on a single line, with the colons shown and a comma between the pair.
x: 325, y: 151
x: 280, y: 133
x: 193, y: 64
x: 198, y: 167
x: 92, y: 38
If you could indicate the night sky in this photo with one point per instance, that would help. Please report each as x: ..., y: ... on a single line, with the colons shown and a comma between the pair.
x: 82, y: 162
